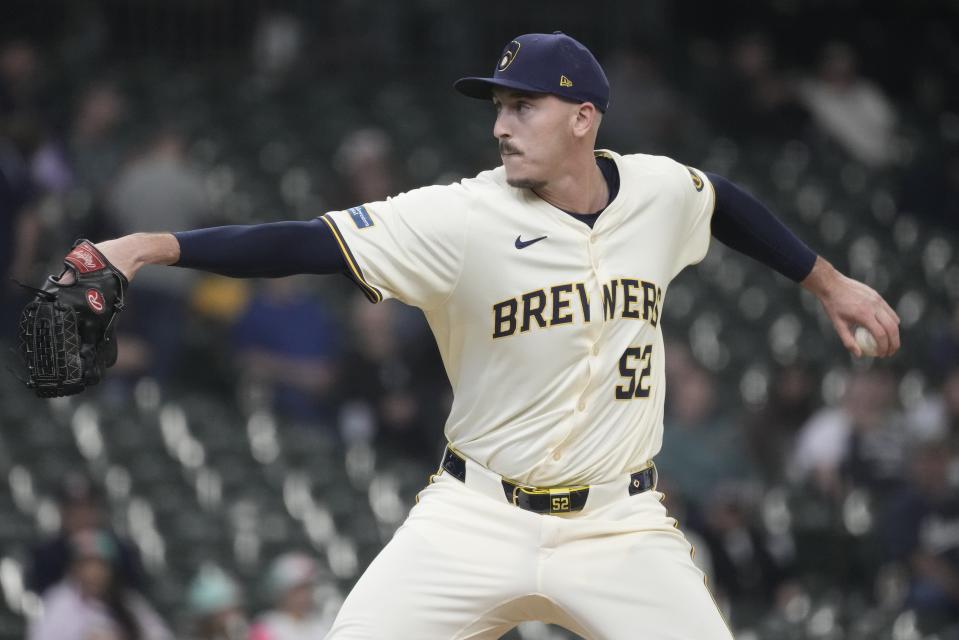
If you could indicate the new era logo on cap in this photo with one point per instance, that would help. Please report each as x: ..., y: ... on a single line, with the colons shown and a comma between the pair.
x: 533, y: 62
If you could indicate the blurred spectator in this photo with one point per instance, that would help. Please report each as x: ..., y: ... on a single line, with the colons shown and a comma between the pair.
x: 19, y: 223
x: 291, y: 586
x: 936, y: 417
x: 748, y: 566
x: 397, y: 379
x: 922, y: 532
x: 159, y: 191
x: 216, y: 606
x: 703, y: 448
x: 92, y: 602
x: 81, y: 509
x: 648, y: 114
x: 277, y: 45
x: 21, y: 98
x: 287, y: 342
x: 95, y: 145
x: 851, y: 109
x: 755, y: 98
x: 364, y: 158
x: 19, y: 78
x: 772, y: 429
x: 859, y: 443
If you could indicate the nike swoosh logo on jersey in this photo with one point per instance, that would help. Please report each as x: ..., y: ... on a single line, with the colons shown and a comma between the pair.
x: 522, y: 244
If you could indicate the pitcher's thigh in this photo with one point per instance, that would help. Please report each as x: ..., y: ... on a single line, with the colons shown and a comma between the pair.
x: 447, y: 569
x: 637, y: 585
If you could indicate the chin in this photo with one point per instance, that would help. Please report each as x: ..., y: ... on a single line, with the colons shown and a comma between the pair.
x: 523, y: 182
x: 518, y: 174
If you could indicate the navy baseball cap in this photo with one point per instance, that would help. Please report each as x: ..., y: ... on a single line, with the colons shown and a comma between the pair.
x: 544, y: 63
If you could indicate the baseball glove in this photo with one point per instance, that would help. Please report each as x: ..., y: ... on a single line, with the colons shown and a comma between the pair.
x: 67, y: 331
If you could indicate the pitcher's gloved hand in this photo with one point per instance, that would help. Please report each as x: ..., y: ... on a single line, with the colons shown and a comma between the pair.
x: 67, y: 332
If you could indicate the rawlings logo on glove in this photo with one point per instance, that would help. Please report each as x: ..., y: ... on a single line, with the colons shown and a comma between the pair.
x: 86, y: 259
x: 67, y: 331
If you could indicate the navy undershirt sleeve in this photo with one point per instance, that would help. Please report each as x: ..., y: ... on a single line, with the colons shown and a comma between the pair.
x: 743, y: 223
x: 270, y: 250
x: 279, y: 249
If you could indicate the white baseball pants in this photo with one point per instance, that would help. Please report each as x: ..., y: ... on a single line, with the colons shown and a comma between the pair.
x: 466, y: 565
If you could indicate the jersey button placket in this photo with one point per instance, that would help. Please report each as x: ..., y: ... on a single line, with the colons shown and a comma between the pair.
x: 599, y: 287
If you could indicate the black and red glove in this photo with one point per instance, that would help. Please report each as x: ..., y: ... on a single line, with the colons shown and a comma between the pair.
x: 67, y: 332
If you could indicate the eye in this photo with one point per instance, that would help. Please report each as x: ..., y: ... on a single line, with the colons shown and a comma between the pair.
x: 522, y: 106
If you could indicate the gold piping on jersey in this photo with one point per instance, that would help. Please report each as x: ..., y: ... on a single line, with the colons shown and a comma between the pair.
x: 356, y: 273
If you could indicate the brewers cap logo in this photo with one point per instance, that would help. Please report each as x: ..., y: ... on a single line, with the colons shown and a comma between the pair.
x: 509, y: 54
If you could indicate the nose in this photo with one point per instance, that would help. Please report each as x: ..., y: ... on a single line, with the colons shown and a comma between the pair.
x: 500, y: 129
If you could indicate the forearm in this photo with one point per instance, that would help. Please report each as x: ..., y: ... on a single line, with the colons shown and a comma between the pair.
x: 745, y: 224
x: 243, y: 251
x: 130, y: 253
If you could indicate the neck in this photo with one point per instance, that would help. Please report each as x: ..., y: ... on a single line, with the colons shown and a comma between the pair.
x: 581, y: 188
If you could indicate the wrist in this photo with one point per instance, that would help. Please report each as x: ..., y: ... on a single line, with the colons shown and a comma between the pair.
x: 821, y: 278
x: 130, y: 253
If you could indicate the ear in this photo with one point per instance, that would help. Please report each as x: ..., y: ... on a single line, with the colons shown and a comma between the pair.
x: 585, y: 118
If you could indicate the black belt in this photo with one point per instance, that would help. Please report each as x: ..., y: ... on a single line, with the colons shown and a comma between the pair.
x: 548, y: 500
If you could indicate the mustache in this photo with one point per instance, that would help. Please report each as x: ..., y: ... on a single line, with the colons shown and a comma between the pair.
x: 505, y: 147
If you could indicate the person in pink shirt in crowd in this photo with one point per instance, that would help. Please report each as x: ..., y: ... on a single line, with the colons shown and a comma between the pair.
x: 92, y: 603
x: 292, y: 585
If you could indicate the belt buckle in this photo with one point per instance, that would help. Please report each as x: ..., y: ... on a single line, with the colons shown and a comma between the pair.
x: 559, y: 498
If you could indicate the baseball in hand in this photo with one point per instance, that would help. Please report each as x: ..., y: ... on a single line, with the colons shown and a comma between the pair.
x: 866, y: 342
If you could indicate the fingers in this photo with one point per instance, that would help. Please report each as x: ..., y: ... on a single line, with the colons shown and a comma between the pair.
x: 846, y: 336
x: 878, y: 332
x: 891, y: 312
x: 880, y: 320
x: 891, y: 327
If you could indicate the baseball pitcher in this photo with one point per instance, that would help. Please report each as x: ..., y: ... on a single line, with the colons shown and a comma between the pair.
x: 544, y: 282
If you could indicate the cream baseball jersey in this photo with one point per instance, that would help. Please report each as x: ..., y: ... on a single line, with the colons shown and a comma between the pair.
x: 549, y: 329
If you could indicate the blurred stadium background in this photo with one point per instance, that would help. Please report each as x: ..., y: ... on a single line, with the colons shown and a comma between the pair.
x: 251, y: 418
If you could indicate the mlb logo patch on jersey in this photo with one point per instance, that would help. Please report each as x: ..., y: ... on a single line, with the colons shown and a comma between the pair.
x: 361, y: 217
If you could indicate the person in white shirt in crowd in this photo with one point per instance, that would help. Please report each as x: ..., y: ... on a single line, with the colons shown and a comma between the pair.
x: 292, y: 585
x: 91, y: 602
x: 860, y: 442
x: 850, y: 109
